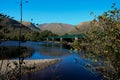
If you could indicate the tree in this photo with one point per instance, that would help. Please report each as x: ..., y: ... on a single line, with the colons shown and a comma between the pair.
x: 103, y: 40
x: 47, y: 33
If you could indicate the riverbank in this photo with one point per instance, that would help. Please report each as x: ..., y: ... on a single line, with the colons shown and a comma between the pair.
x: 11, y: 67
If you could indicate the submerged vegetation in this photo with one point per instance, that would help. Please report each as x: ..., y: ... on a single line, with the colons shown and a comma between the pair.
x: 103, y: 41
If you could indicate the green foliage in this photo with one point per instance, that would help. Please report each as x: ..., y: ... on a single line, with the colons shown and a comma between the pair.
x: 34, y: 36
x: 76, y: 45
x: 47, y: 33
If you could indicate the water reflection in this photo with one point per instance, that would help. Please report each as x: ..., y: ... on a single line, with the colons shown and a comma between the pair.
x: 54, y: 50
x: 13, y: 52
x: 72, y: 67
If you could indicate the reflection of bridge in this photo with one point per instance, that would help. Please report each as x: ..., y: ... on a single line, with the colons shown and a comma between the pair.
x: 60, y: 38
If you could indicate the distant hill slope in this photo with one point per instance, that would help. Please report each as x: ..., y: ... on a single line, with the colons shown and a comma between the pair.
x: 57, y: 28
x: 82, y: 27
x: 30, y: 26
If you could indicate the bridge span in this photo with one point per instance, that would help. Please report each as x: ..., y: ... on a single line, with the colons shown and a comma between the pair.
x: 64, y: 37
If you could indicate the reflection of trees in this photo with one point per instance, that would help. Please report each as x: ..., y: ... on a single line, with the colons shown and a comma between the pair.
x: 91, y: 63
x: 94, y: 63
x: 12, y: 52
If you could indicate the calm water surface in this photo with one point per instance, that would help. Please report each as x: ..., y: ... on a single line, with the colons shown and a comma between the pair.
x: 72, y: 67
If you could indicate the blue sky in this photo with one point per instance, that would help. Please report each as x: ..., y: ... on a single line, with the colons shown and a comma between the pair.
x: 60, y: 11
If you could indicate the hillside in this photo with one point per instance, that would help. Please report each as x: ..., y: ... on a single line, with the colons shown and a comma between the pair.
x: 9, y: 28
x: 9, y: 22
x: 57, y: 28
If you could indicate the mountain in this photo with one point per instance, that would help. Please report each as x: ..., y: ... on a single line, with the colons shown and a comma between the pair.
x: 57, y: 28
x: 82, y: 27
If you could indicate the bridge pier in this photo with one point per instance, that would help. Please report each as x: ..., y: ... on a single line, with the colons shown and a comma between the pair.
x: 76, y: 38
x: 52, y: 39
x: 47, y: 39
x: 66, y: 38
x: 61, y: 39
